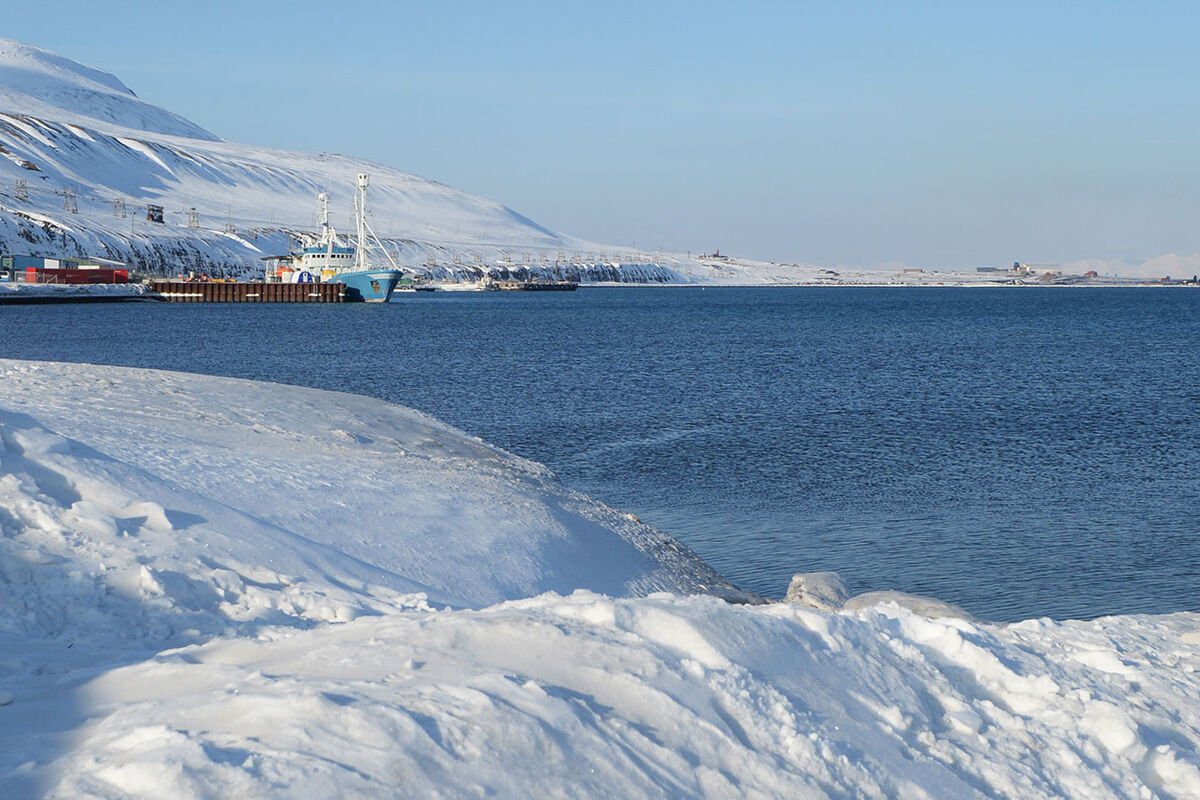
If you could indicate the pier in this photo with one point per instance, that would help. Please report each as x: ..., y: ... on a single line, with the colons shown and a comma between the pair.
x: 174, y: 291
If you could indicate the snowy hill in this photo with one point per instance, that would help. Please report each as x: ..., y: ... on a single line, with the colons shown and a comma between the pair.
x: 83, y: 157
x: 368, y: 466
x: 222, y: 588
x: 42, y: 84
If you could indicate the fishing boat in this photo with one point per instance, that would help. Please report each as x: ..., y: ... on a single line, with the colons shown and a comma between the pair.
x: 325, y: 259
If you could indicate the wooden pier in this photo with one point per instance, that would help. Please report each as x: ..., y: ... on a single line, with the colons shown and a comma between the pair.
x: 236, y: 292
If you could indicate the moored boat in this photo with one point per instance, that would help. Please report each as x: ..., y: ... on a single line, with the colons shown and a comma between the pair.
x: 536, y: 286
x: 325, y: 259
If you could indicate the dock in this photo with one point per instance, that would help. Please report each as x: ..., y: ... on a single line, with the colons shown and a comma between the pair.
x: 175, y: 291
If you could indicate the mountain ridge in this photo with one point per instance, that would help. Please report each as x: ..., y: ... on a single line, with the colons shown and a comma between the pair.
x: 41, y: 82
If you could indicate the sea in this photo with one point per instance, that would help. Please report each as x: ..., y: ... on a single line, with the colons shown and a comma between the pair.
x: 1020, y: 452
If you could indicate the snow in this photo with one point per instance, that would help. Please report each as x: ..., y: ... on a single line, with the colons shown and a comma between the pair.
x: 144, y: 149
x: 11, y: 292
x: 214, y: 587
x: 44, y: 84
x: 29, y: 129
x: 369, y: 467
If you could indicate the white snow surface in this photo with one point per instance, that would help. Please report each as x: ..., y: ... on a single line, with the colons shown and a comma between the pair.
x: 11, y: 292
x: 223, y: 588
x: 45, y: 84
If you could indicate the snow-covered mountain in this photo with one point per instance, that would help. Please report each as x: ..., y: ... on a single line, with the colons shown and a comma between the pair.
x: 83, y: 157
x: 42, y: 84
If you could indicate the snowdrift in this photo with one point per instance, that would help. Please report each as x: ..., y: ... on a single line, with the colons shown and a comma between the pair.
x: 212, y: 587
x: 370, y: 493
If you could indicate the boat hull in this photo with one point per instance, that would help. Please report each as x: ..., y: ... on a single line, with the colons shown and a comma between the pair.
x: 369, y: 286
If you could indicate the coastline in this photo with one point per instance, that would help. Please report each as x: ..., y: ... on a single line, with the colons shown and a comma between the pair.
x: 175, y: 630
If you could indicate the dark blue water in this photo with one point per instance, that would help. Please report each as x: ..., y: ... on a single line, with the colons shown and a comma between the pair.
x: 1021, y: 452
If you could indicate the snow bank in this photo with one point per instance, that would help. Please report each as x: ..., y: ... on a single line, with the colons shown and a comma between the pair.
x: 11, y: 292
x: 212, y: 587
x: 384, y: 488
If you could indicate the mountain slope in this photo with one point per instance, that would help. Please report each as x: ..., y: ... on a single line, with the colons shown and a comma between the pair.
x: 83, y: 157
x: 43, y: 84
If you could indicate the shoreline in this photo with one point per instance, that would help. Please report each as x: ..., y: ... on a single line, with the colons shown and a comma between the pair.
x: 49, y: 294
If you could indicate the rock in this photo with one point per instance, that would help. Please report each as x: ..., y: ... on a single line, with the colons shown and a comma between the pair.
x: 924, y: 606
x: 822, y: 590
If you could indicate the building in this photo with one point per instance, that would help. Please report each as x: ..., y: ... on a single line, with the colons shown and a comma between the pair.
x: 1053, y: 270
x: 40, y: 269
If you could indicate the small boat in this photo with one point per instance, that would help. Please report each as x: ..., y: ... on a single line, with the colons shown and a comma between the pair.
x: 536, y: 286
x: 549, y: 286
x: 325, y: 259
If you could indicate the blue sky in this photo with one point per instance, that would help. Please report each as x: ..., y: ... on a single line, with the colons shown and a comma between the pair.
x: 933, y: 134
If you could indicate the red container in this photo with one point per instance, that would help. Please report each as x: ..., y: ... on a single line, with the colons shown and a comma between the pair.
x: 97, y: 275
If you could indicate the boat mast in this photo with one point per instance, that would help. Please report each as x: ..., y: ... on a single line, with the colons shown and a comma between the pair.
x: 360, y: 213
x: 326, y: 233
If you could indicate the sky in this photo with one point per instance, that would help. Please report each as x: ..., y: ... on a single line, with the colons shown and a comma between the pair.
x: 840, y: 133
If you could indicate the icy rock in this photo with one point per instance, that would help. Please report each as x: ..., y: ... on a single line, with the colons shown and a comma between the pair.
x: 924, y: 606
x: 821, y: 590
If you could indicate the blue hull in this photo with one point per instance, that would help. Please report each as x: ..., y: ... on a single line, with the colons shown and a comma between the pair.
x: 371, y: 286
